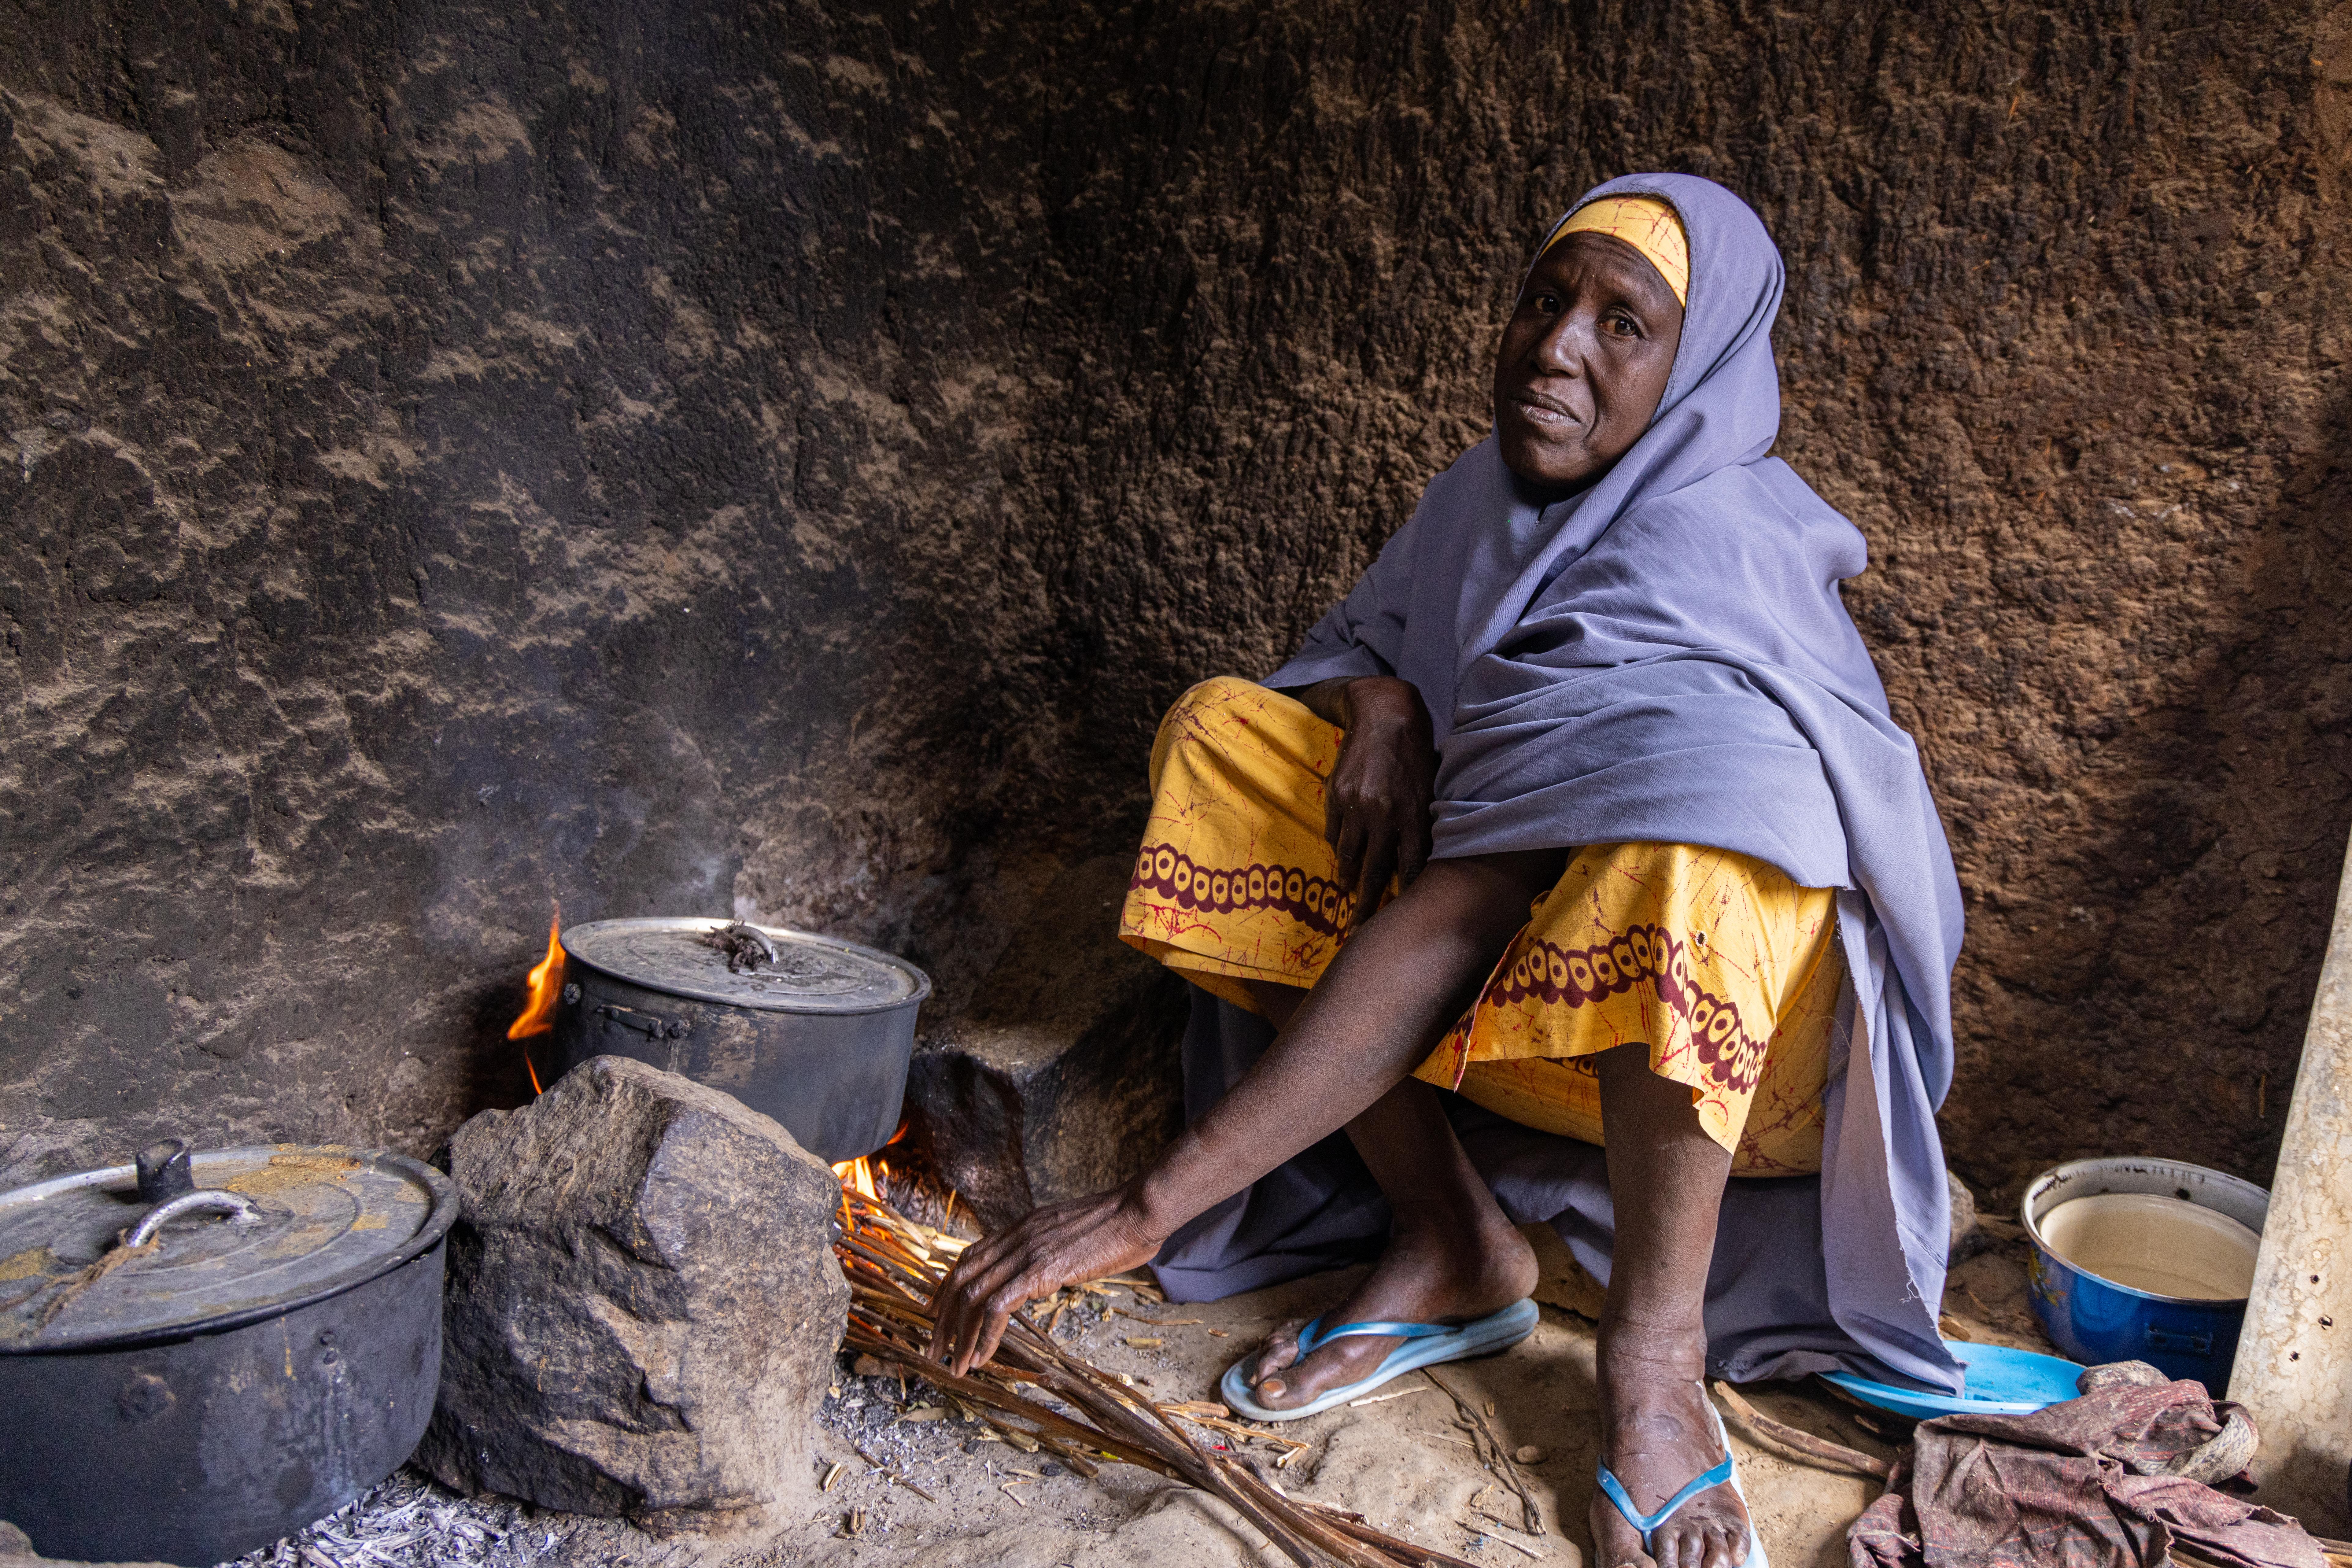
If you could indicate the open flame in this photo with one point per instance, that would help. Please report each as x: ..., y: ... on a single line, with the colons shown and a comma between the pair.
x: 546, y: 985
x: 859, y: 1176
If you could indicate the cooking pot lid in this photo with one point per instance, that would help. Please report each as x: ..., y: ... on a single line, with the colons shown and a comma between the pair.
x: 264, y: 1229
x: 807, y: 974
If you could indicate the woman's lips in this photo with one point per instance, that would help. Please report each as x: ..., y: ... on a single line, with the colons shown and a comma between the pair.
x: 1543, y: 411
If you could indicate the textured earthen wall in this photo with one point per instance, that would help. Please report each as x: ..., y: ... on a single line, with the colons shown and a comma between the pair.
x: 776, y: 457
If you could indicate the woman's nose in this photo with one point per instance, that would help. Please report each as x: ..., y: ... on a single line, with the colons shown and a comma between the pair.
x: 1561, y: 350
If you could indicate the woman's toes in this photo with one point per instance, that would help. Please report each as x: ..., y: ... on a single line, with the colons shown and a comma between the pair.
x: 1280, y: 1350
x: 1308, y: 1377
x: 1280, y: 1393
x: 1280, y: 1354
x: 1284, y: 1387
x: 1615, y: 1543
x: 1715, y: 1543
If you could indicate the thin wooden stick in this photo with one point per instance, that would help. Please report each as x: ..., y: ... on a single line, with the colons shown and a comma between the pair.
x: 1799, y: 1443
x: 1491, y: 1452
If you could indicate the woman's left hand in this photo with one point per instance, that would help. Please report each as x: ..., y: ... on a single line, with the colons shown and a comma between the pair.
x: 1376, y: 802
x: 1057, y: 1244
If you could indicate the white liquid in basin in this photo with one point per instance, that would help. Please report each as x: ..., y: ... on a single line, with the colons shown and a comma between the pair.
x: 2155, y: 1244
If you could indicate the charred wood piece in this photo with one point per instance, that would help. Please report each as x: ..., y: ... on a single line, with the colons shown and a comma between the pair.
x: 746, y: 946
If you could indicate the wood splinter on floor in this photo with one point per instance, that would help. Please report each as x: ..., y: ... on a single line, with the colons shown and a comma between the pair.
x: 890, y: 1475
x: 1490, y: 1450
x: 1385, y: 1398
x: 1486, y: 1532
x: 1800, y: 1445
x: 1217, y: 1418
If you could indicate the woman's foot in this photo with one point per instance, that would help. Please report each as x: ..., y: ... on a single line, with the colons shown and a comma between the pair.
x: 1438, y: 1268
x: 1657, y: 1433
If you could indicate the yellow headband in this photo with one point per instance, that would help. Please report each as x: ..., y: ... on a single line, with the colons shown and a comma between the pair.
x: 1647, y: 224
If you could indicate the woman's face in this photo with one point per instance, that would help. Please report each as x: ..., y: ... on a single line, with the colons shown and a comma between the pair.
x: 1584, y: 360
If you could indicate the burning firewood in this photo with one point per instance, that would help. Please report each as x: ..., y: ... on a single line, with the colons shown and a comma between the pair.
x: 895, y: 1264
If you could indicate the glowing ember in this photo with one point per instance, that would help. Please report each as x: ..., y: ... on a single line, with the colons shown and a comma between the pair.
x: 546, y: 985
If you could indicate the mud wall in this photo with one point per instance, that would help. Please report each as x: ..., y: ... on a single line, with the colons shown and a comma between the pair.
x: 775, y: 458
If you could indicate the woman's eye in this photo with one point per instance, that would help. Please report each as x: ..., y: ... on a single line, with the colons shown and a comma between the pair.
x: 1624, y: 326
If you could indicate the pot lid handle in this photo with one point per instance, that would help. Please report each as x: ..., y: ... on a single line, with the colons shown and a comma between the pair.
x: 165, y: 1172
x: 241, y: 1209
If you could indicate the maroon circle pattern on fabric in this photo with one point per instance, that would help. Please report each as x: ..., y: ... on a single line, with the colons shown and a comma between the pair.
x: 1572, y: 977
x: 1315, y: 902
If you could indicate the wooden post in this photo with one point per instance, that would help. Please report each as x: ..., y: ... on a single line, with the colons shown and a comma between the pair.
x: 2293, y: 1370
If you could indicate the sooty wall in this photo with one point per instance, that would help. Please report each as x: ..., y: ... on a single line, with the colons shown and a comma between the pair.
x: 780, y: 459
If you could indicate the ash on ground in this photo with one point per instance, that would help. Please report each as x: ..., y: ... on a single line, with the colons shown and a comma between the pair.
x: 411, y: 1522
x: 910, y: 1432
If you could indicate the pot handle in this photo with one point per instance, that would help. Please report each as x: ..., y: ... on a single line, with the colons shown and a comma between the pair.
x: 652, y: 1025
x: 241, y: 1209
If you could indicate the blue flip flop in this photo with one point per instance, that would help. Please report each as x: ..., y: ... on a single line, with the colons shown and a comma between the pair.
x: 1425, y: 1344
x: 1648, y: 1523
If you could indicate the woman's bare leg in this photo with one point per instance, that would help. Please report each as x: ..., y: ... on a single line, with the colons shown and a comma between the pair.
x: 1453, y: 1254
x: 1666, y: 1181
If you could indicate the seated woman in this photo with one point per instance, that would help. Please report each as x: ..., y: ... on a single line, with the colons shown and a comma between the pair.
x: 1668, y: 927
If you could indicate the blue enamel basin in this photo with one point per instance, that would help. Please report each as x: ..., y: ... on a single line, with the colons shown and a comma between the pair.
x: 2097, y: 1319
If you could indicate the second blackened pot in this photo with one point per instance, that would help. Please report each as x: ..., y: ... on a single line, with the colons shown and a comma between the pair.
x: 199, y: 1356
x: 816, y: 1036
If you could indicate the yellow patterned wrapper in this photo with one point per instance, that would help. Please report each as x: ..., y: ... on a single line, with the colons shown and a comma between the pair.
x: 1728, y: 972
x: 1647, y: 224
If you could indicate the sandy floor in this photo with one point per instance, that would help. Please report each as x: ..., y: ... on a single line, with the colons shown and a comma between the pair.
x: 1399, y: 1461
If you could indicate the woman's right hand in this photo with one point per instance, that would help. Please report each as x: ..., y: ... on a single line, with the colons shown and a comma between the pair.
x: 1376, y: 802
x: 1052, y: 1246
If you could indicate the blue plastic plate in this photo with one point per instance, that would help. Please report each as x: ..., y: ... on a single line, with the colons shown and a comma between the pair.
x: 2002, y: 1381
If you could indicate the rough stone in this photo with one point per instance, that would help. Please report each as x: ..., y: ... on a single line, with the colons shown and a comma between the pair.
x: 643, y: 1307
x: 1063, y: 1077
x: 779, y: 459
x: 1968, y: 1238
x: 17, y: 1552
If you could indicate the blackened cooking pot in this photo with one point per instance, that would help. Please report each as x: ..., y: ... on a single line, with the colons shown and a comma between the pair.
x: 811, y: 1030
x: 201, y: 1356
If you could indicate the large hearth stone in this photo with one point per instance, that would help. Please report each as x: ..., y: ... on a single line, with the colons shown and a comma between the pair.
x: 17, y: 1552
x: 1063, y: 1076
x: 643, y: 1306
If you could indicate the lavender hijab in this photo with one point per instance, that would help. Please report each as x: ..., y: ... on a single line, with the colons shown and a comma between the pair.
x: 1663, y: 656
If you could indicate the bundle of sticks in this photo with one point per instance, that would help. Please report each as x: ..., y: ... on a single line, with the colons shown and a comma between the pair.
x: 894, y: 1266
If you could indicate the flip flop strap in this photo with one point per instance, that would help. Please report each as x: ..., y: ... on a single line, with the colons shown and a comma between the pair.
x: 1314, y: 1336
x: 1647, y: 1523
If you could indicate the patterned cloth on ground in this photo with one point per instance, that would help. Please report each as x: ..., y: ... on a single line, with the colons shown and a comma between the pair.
x: 2088, y: 1483
x: 1726, y: 969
